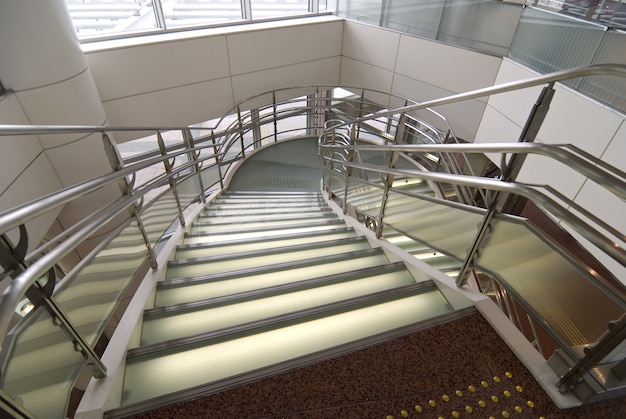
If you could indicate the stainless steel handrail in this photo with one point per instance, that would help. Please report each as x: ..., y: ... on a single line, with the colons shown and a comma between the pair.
x: 610, y: 180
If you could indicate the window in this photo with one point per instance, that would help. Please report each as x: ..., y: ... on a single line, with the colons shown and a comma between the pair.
x: 97, y: 18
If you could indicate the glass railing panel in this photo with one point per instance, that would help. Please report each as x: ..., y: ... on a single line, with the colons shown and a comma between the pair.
x: 486, y: 26
x: 606, y: 88
x: 418, y: 18
x: 29, y: 378
x: 368, y: 11
x: 566, y: 300
x: 89, y: 297
x: 548, y: 41
x: 447, y: 228
x: 365, y: 198
x: 210, y: 176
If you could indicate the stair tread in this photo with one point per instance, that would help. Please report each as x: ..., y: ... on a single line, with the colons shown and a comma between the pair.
x: 173, y: 371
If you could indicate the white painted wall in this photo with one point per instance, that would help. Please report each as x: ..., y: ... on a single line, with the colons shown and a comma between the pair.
x: 180, y: 80
x: 417, y: 69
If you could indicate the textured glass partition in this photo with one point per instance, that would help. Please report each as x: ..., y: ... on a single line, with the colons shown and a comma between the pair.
x: 368, y: 11
x: 548, y: 41
x: 606, y: 88
x: 418, y: 18
x: 487, y: 26
x: 566, y: 300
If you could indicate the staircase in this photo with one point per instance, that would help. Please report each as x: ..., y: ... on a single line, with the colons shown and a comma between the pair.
x: 266, y: 282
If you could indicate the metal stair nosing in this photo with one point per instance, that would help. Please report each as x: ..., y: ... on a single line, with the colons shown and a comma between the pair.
x: 288, y: 365
x: 261, y: 229
x: 269, y: 268
x: 266, y: 252
x: 194, y: 246
x: 225, y: 220
x: 296, y: 285
x: 282, y: 320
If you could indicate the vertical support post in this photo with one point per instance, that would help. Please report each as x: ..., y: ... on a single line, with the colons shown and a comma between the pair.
x: 246, y: 10
x: 243, y: 149
x: 218, y: 162
x: 351, y: 153
x: 127, y: 188
x: 275, y: 116
x: 389, y: 178
x: 510, y: 171
x: 172, y: 182
x: 194, y: 156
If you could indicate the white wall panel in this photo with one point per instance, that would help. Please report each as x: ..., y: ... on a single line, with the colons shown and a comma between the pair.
x: 452, y: 68
x: 463, y: 117
x: 147, y: 68
x: 80, y: 153
x: 70, y: 102
x: 37, y: 180
x: 16, y: 152
x: 34, y: 34
x: 266, y: 49
x: 575, y: 119
x: 323, y: 71
x: 178, y: 106
x: 515, y: 105
x: 369, y: 44
x: 360, y: 74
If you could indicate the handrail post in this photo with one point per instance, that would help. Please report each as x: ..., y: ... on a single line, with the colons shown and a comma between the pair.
x: 349, y: 170
x: 510, y: 171
x: 172, y: 182
x: 393, y: 159
x: 127, y: 187
x: 217, y: 159
x: 194, y: 157
x: 243, y: 149
x: 275, y: 116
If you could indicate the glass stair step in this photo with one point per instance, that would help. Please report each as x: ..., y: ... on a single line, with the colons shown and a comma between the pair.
x: 238, y: 224
x: 225, y: 263
x: 207, y: 219
x: 219, y: 236
x: 179, y: 368
x: 197, y: 250
x: 175, y: 324
x: 213, y: 286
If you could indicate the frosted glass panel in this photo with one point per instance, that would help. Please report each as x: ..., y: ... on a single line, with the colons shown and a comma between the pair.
x: 368, y: 11
x: 419, y: 18
x: 568, y: 301
x: 609, y: 89
x: 487, y: 26
x: 549, y: 42
x: 448, y: 229
x: 42, y: 368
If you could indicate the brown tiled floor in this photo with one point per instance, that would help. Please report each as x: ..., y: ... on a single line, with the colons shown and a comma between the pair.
x: 386, y: 379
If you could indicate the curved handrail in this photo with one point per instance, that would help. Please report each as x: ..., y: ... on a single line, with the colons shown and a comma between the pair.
x: 609, y: 180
